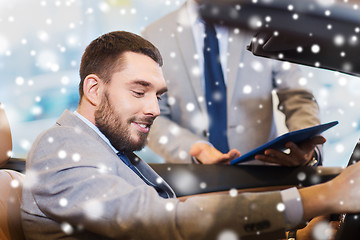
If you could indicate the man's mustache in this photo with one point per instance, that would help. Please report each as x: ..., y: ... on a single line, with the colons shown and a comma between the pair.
x: 145, y: 120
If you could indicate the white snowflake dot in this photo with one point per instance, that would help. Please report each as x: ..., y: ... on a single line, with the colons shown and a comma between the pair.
x: 286, y: 66
x: 315, y: 48
x: 196, y: 71
x: 172, y: 54
x: 163, y: 140
x: 63, y: 202
x: 301, y: 176
x: 339, y: 40
x: 169, y: 206
x: 339, y: 148
x: 19, y: 81
x: 240, y: 129
x: 247, y: 89
x: 183, y: 155
x: 171, y: 100
x: 67, y: 228
x: 227, y: 235
x: 93, y: 209
x: 190, y: 107
x: 14, y: 183
x: 280, y: 207
x: 76, y: 157
x: 62, y: 154
x: 342, y: 81
x: 302, y: 81
x: 257, y: 66
x: 9, y: 153
x: 233, y: 192
x: 102, y: 168
x: 174, y: 130
x: 159, y: 180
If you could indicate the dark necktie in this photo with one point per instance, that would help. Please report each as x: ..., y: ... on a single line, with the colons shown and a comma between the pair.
x: 215, y: 91
x: 161, y: 190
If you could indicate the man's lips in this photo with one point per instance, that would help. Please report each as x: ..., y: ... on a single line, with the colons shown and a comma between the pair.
x: 142, y: 127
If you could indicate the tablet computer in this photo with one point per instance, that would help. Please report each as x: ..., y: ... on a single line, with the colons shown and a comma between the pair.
x: 279, y: 142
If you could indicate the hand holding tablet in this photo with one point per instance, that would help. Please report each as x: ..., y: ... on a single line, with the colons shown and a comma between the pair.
x: 279, y: 142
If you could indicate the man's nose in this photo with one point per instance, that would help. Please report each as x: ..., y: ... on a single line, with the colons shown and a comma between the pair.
x: 152, y: 107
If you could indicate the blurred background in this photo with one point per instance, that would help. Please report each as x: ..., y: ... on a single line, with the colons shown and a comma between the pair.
x: 41, y: 43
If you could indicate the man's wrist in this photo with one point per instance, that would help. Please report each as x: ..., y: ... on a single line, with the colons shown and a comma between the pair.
x: 316, y: 159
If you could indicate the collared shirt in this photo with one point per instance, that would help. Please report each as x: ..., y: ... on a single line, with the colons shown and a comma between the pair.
x: 198, y: 30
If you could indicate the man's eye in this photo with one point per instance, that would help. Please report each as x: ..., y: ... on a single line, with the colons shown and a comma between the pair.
x: 138, y: 94
x: 159, y: 98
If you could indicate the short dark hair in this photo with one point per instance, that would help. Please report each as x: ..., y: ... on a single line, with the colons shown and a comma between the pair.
x: 103, y: 55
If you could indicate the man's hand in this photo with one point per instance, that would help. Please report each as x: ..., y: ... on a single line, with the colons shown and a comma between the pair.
x: 207, y: 154
x: 318, y: 228
x: 299, y: 154
x: 339, y: 195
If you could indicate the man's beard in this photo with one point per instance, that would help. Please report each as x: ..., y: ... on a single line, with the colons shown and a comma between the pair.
x: 118, y: 133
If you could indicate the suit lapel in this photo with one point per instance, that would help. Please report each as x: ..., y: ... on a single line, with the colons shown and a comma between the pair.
x: 236, y: 49
x: 185, y: 40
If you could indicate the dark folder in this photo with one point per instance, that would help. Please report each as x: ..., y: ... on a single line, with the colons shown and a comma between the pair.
x: 279, y: 142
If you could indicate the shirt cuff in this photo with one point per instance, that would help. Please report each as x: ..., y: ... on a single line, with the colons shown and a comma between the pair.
x: 293, y: 207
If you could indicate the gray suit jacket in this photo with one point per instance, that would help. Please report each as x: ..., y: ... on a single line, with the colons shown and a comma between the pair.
x: 77, y: 188
x: 250, y: 82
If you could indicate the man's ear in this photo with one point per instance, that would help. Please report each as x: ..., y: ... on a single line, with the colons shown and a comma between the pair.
x: 92, y: 89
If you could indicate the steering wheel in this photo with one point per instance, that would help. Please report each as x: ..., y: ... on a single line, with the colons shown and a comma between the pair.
x: 349, y: 228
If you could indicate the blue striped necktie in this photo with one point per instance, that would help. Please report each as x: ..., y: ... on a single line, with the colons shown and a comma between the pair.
x: 161, y: 190
x: 215, y: 91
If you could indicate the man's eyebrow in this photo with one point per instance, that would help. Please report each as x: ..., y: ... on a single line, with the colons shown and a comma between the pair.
x: 163, y: 90
x: 142, y: 83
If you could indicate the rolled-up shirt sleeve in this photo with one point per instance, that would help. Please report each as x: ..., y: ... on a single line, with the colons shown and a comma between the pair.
x: 293, y: 207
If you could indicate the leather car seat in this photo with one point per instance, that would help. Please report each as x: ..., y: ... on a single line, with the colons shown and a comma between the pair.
x: 10, y: 187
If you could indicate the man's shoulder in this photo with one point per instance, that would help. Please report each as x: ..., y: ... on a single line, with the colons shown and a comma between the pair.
x: 67, y: 129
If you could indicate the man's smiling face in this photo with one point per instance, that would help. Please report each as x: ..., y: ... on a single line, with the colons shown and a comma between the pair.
x: 129, y: 103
